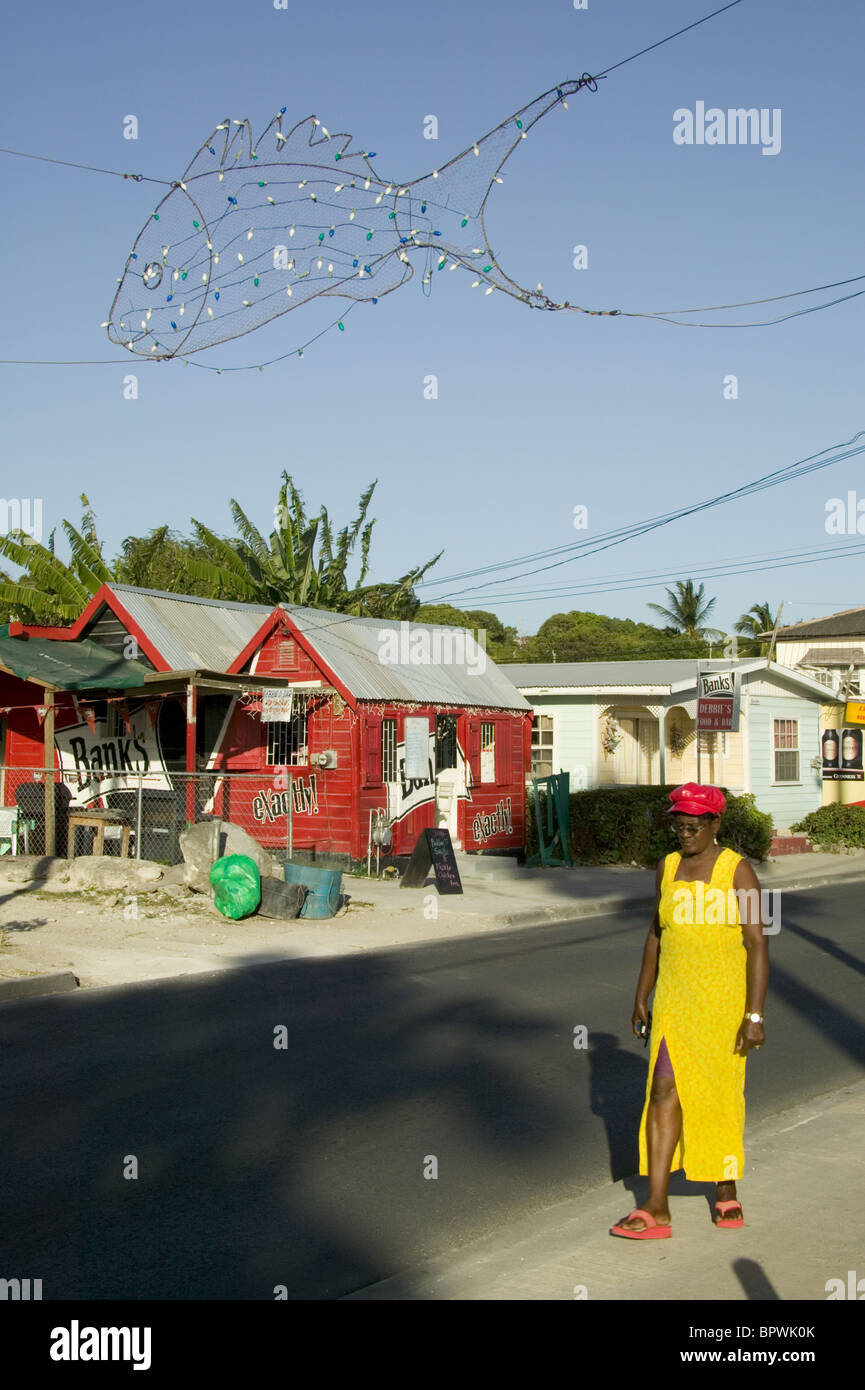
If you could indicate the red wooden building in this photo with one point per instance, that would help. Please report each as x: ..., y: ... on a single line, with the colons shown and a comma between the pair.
x: 296, y: 722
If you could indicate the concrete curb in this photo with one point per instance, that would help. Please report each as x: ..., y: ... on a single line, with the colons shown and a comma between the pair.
x: 31, y: 986
x: 598, y: 907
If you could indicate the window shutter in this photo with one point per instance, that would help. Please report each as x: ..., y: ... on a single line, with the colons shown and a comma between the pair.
x: 474, y: 752
x: 503, y: 729
x: 372, y: 751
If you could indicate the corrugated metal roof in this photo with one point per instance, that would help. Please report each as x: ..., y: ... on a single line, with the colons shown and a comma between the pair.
x: 356, y: 650
x: 615, y: 674
x: 833, y: 656
x: 192, y: 632
x: 848, y: 623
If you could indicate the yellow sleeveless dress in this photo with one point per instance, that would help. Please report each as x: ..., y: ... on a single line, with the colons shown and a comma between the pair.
x: 699, y: 1003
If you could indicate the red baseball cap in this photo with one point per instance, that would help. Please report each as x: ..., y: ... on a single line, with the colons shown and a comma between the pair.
x: 694, y: 800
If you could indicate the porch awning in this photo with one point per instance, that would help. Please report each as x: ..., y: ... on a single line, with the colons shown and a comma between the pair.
x: 833, y: 656
x: 62, y: 665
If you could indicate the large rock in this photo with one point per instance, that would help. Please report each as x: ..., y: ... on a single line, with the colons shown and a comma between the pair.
x: 25, y: 868
x: 210, y: 840
x: 102, y: 873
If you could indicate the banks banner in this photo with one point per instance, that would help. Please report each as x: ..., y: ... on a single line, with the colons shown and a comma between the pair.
x: 102, y: 761
x: 718, y: 699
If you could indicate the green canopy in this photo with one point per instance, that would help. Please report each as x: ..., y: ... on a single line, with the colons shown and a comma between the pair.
x: 68, y: 665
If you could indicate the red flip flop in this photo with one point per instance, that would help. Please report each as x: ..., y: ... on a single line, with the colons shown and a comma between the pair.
x: 652, y: 1230
x: 722, y: 1207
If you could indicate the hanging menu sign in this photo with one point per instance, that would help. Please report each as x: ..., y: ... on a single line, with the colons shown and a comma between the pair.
x: 416, y: 746
x: 718, y: 695
x: 276, y: 705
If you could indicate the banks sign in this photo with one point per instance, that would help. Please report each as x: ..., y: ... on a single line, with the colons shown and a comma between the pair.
x: 718, y: 698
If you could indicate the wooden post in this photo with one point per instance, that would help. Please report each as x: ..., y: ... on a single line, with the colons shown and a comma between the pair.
x: 48, y: 744
x: 191, y: 718
x: 697, y: 724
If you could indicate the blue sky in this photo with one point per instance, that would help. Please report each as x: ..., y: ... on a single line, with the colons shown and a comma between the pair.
x: 536, y: 412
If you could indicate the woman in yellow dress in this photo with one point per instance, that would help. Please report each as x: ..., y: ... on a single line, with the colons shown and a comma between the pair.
x: 707, y: 957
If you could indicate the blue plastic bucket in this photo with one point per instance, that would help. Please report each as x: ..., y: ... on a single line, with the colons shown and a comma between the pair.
x: 324, y: 886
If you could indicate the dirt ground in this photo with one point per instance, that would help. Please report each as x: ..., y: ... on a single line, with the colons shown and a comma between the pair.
x: 115, y: 937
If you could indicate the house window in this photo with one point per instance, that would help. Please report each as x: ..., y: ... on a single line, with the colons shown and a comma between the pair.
x: 488, y: 752
x: 542, y: 745
x: 446, y: 742
x: 287, y: 739
x: 388, y: 751
x: 786, y: 749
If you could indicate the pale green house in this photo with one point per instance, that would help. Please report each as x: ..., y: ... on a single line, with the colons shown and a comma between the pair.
x: 632, y: 723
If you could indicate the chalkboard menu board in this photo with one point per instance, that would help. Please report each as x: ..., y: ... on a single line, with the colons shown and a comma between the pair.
x: 433, y: 850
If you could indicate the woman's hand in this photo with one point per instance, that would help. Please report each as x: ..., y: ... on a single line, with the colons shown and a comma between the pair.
x: 749, y: 1035
x: 640, y: 1015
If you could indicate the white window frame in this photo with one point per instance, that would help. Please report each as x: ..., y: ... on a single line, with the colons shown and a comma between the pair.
x: 773, y: 750
x: 488, y: 751
x: 282, y: 733
x: 538, y: 748
x: 389, y: 758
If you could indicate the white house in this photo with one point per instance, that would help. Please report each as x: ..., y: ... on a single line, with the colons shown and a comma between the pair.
x: 632, y: 723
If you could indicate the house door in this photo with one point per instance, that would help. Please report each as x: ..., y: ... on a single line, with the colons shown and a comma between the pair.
x: 446, y: 772
x: 637, y: 754
x: 628, y: 752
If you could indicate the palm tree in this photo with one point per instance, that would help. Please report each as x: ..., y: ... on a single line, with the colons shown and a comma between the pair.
x: 50, y: 591
x: 286, y: 568
x: 55, y: 593
x: 687, y: 610
x: 759, y: 618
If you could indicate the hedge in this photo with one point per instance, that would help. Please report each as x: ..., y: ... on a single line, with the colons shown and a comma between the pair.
x: 834, y: 827
x: 625, y: 825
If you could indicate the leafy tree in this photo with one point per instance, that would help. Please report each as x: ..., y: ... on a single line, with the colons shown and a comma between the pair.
x: 52, y: 592
x: 583, y: 636
x: 157, y: 561
x: 301, y: 562
x: 501, y: 641
x: 688, y: 610
x: 759, y: 618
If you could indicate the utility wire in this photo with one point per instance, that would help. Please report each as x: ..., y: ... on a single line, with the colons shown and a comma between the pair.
x: 93, y: 169
x: 755, y: 569
x: 726, y: 570
x: 590, y: 546
x: 667, y: 39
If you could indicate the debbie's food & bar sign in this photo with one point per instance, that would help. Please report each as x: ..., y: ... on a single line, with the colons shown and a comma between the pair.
x: 718, y: 701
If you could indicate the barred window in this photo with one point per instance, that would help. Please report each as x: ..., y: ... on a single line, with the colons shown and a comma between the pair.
x: 542, y: 745
x: 488, y: 752
x: 388, y: 751
x: 786, y: 750
x: 287, y: 739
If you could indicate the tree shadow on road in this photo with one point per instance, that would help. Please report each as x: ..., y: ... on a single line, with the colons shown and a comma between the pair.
x: 275, y: 1127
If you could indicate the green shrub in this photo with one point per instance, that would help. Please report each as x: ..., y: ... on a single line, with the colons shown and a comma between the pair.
x: 834, y: 827
x: 625, y: 825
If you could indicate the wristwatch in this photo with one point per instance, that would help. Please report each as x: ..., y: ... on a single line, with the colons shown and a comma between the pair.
x: 754, y: 1018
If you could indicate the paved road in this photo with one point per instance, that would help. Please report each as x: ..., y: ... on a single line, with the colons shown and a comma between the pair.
x: 303, y: 1166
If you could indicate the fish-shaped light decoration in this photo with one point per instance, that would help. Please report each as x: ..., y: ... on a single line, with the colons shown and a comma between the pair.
x: 255, y: 228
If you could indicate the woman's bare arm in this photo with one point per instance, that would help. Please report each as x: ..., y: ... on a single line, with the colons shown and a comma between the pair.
x: 649, y: 967
x: 756, y: 943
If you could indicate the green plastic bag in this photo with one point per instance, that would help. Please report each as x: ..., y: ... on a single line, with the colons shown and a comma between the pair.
x: 236, y: 885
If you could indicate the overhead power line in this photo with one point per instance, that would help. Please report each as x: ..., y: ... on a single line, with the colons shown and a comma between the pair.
x: 577, y: 550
